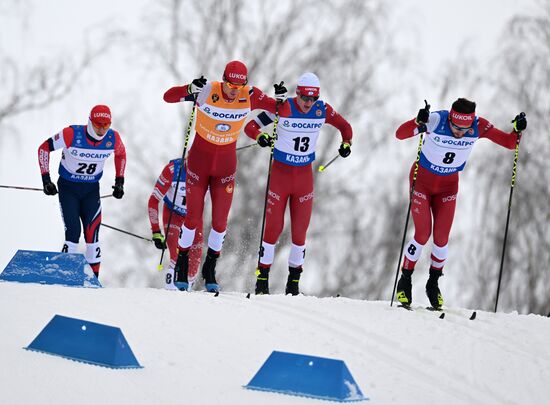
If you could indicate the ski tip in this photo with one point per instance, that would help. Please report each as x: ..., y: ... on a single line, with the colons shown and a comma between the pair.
x: 160, y: 267
x: 442, y: 316
x: 321, y: 168
x: 473, y: 316
x: 248, y: 296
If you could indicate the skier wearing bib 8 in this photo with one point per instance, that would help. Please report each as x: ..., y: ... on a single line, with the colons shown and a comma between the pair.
x: 449, y: 139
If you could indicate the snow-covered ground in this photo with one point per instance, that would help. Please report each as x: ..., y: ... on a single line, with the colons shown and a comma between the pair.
x: 201, y: 349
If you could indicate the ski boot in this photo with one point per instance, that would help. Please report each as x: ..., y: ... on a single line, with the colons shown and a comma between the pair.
x: 293, y: 280
x: 180, y: 271
x: 404, y: 288
x: 432, y: 289
x: 262, y: 280
x: 209, y: 271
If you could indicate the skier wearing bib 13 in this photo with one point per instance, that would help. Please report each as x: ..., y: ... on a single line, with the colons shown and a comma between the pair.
x: 301, y: 120
x: 449, y: 139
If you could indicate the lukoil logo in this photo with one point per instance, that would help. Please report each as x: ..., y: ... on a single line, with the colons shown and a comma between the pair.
x: 223, y: 127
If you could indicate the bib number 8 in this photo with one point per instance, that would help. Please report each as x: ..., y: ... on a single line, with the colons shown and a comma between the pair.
x: 449, y: 158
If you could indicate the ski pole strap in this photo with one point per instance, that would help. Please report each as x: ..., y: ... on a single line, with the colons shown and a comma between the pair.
x: 126, y: 232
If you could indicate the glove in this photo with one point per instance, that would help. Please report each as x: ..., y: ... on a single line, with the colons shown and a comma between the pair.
x: 520, y: 122
x: 160, y: 242
x: 196, y: 86
x: 423, y: 115
x: 49, y: 187
x: 280, y: 92
x: 118, y: 188
x: 344, y: 150
x: 263, y: 140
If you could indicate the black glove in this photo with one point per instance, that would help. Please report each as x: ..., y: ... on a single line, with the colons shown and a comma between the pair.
x: 49, y: 187
x: 263, y: 140
x: 118, y: 188
x: 423, y: 115
x: 520, y: 122
x: 280, y: 92
x: 344, y: 150
x: 195, y: 87
x: 160, y: 242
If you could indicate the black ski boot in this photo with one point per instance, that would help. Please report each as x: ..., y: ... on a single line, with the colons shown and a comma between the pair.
x: 209, y: 271
x: 262, y: 280
x: 404, y: 288
x: 181, y: 269
x: 293, y: 280
x: 432, y: 288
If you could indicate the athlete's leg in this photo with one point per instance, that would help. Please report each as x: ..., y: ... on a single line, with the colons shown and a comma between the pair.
x: 444, y: 205
x: 278, y: 194
x: 301, y: 206
x: 172, y: 237
x: 70, y: 214
x: 90, y: 214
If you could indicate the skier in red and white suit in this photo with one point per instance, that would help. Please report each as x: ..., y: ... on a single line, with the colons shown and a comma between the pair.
x: 300, y: 122
x: 164, y: 190
x: 449, y: 139
x: 212, y: 161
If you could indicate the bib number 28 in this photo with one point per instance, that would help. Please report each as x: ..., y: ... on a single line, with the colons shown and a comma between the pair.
x: 85, y: 168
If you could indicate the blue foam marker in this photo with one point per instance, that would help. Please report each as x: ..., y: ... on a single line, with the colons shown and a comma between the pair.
x: 69, y: 269
x: 85, y: 341
x: 307, y: 376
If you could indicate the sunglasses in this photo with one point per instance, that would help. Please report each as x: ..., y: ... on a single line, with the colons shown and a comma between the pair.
x: 234, y: 85
x: 101, y: 126
x: 461, y: 129
x: 305, y: 99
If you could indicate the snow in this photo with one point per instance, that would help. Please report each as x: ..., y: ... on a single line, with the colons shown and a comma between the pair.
x: 201, y: 349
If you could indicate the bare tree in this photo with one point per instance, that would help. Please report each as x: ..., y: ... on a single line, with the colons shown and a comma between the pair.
x: 347, y: 45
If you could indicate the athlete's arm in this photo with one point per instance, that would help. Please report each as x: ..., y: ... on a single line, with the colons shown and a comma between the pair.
x: 178, y: 94
x: 161, y: 188
x: 487, y: 130
x: 120, y: 156
x: 61, y: 140
x: 340, y: 123
x: 410, y: 128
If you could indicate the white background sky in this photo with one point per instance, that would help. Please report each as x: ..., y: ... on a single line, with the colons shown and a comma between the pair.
x: 438, y: 29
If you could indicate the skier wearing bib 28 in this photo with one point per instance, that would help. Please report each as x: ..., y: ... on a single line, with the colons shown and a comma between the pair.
x: 164, y: 190
x: 301, y: 119
x: 85, y: 149
x: 212, y: 161
x: 449, y: 139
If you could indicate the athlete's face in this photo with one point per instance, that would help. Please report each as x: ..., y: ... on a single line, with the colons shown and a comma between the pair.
x: 231, y: 90
x: 458, y: 132
x: 101, y: 130
x: 306, y: 102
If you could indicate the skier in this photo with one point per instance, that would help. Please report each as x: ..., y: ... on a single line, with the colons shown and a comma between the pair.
x: 301, y: 119
x: 164, y: 190
x: 85, y: 149
x: 449, y: 139
x: 212, y: 161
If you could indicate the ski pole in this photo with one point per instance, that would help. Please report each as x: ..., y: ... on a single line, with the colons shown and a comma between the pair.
x: 38, y: 189
x: 247, y: 146
x: 322, y: 168
x: 512, y: 184
x: 126, y: 232
x: 187, y: 134
x: 410, y: 204
x: 273, y: 139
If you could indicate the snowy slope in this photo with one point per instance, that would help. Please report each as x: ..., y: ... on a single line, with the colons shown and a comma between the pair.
x: 200, y: 349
